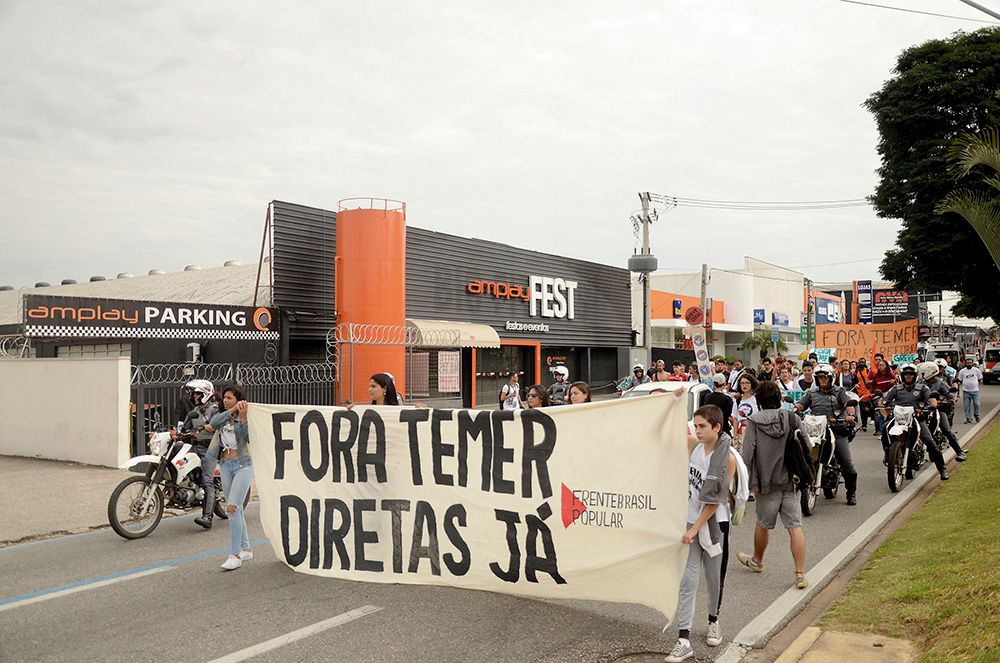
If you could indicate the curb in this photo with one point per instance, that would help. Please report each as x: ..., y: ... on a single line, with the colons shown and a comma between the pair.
x: 777, y: 615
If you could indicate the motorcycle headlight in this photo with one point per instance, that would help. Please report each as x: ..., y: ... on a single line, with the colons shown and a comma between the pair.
x: 158, y: 446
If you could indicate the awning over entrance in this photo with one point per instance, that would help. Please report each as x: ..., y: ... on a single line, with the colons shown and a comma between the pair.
x: 448, y: 333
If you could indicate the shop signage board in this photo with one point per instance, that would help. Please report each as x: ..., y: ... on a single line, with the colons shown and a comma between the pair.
x: 531, y: 503
x: 758, y: 316
x: 53, y: 316
x: 857, y: 341
x: 449, y: 371
x: 864, y: 289
x: 779, y: 319
x: 893, y: 305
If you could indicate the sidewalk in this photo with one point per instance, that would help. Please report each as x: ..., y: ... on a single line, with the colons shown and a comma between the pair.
x: 815, y: 645
x: 31, y: 508
x: 41, y: 498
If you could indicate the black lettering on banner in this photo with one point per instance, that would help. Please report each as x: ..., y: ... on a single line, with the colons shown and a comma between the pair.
x: 501, y: 455
x: 473, y: 424
x: 425, y: 519
x: 361, y: 537
x: 369, y: 420
x: 538, y: 454
x: 440, y: 449
x: 314, y: 535
x: 533, y: 563
x: 289, y: 503
x: 396, y: 507
x: 513, y: 572
x: 412, y: 418
x: 456, y: 512
x: 314, y: 418
x: 281, y: 444
x: 335, y: 537
x: 341, y: 446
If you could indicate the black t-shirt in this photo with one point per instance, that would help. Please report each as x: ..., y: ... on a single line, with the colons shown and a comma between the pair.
x: 725, y: 403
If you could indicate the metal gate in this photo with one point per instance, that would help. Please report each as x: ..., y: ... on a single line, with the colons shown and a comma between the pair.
x: 156, y: 395
x: 156, y: 389
x: 297, y: 384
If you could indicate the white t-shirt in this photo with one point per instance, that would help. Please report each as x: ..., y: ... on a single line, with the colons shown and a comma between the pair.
x: 697, y: 469
x: 970, y: 377
x: 228, y: 435
x: 511, y: 395
x: 745, y: 408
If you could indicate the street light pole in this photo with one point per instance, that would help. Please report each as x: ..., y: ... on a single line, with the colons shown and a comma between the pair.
x: 644, y: 263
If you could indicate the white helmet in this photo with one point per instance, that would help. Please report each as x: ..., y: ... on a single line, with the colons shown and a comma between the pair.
x: 928, y: 370
x: 561, y: 370
x: 638, y: 367
x: 907, y: 368
x: 203, y: 387
x: 823, y: 369
x: 942, y: 363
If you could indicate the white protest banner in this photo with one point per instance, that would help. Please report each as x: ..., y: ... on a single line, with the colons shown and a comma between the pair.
x: 579, y: 501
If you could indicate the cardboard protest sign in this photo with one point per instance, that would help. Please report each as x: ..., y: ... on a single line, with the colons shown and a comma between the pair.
x: 908, y: 358
x: 823, y: 355
x: 583, y: 501
x: 857, y: 341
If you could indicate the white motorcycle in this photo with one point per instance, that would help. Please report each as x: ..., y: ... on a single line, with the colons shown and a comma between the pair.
x: 171, y: 477
x: 905, y: 452
x: 824, y: 460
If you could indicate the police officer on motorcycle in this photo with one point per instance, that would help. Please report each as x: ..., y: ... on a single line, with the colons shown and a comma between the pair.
x: 913, y: 394
x: 832, y: 401
x: 930, y: 374
x: 196, y: 425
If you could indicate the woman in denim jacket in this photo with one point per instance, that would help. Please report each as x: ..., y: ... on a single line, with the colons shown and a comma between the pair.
x: 231, y: 445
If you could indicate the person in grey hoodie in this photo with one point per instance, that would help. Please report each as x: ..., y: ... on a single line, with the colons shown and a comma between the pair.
x: 764, y: 454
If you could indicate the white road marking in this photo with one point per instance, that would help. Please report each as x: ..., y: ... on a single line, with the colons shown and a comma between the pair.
x: 300, y: 634
x: 81, y: 588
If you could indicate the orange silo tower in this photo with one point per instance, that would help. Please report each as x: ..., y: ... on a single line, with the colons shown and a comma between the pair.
x: 370, y: 286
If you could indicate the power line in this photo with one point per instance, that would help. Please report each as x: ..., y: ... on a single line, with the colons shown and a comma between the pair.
x: 917, y: 11
x: 671, y: 201
x: 981, y: 8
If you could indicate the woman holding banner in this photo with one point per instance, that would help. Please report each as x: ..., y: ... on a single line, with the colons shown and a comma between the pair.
x: 231, y: 445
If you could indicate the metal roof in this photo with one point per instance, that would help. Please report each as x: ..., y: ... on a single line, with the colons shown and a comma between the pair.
x: 232, y: 286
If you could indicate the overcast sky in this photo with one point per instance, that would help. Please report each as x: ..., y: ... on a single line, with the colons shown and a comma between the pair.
x: 152, y: 134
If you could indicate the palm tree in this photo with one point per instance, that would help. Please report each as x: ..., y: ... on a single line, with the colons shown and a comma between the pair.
x: 981, y: 209
x: 761, y: 340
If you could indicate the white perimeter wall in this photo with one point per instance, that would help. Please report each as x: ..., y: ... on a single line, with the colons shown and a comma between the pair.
x: 65, y: 409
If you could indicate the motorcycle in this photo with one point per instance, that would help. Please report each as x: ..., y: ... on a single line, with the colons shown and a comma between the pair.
x: 171, y: 477
x: 906, y: 453
x: 824, y: 460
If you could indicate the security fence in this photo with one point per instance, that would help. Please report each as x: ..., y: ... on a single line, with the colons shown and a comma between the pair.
x: 15, y: 346
x: 157, y: 400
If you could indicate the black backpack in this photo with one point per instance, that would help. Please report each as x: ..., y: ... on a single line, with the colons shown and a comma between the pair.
x: 798, y: 462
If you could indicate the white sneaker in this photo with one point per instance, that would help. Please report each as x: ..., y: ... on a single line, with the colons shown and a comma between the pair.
x: 232, y: 562
x: 714, y: 638
x: 681, y: 651
x: 245, y: 555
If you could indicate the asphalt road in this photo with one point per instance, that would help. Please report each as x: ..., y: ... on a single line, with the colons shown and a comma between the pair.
x: 95, y: 596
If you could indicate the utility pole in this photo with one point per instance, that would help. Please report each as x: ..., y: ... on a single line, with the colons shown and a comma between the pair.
x: 704, y: 289
x: 809, y: 313
x: 645, y: 263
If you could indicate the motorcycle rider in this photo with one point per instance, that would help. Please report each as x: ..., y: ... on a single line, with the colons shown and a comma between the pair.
x: 931, y: 376
x: 559, y: 390
x: 638, y: 377
x: 913, y: 394
x: 183, y: 405
x: 949, y: 376
x: 829, y: 400
x: 197, y: 424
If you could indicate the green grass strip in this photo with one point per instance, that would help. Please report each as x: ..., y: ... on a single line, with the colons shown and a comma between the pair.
x: 936, y: 580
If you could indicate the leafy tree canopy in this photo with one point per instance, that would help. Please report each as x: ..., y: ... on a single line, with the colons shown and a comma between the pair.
x: 939, y: 90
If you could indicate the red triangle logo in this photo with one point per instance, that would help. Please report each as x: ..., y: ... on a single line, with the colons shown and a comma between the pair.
x: 572, y: 508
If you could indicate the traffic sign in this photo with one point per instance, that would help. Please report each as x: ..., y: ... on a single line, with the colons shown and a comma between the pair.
x: 694, y: 316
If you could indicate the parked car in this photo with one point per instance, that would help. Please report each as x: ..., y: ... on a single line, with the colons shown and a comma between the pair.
x: 696, y: 392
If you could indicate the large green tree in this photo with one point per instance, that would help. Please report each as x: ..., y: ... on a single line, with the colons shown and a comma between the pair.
x: 939, y: 90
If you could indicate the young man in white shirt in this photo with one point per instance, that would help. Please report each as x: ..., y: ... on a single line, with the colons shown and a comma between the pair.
x: 971, y: 377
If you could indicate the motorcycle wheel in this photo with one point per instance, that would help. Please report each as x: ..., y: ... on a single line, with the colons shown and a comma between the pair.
x: 895, y: 470
x: 808, y: 501
x: 830, y: 493
x: 220, y: 500
x: 123, y: 506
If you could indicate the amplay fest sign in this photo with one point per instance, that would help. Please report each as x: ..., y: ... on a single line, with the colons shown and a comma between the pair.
x: 857, y: 341
x: 52, y: 316
x: 585, y: 502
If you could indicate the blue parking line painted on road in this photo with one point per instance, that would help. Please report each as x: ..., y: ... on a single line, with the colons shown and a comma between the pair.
x: 76, y: 537
x: 111, y: 576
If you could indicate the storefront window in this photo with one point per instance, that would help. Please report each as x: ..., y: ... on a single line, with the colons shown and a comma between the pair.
x: 493, y: 369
